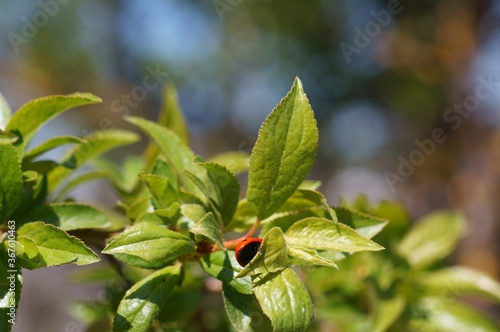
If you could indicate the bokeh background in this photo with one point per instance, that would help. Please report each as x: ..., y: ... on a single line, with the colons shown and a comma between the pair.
x: 379, y: 74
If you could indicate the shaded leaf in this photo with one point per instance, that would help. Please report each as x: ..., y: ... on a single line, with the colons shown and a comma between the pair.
x: 207, y: 226
x: 69, y: 216
x: 223, y: 190
x: 10, y: 275
x: 164, y: 194
x: 223, y: 266
x: 238, y: 307
x: 11, y: 180
x: 143, y: 301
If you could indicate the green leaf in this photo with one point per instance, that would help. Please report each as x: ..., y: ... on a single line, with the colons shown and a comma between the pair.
x: 11, y: 181
x: 237, y: 292
x: 302, y: 204
x: 41, y: 110
x: 310, y: 256
x: 238, y: 307
x: 363, y: 223
x: 222, y: 190
x: 272, y: 256
x: 310, y: 185
x: 399, y: 219
x: 45, y: 166
x: 143, y: 301
x: 89, y: 312
x: 235, y: 162
x: 5, y: 113
x: 150, y: 242
x: 163, y: 169
x: 54, y: 246
x: 8, y: 138
x: 194, y: 212
x: 284, y: 299
x: 457, y: 281
x: 444, y: 316
x: 243, y: 218
x: 433, y: 238
x: 324, y: 234
x: 69, y: 216
x: 223, y: 266
x: 302, y: 199
x: 169, y: 212
x: 283, y: 154
x: 97, y: 274
x: 96, y: 144
x: 386, y: 312
x: 78, y: 180
x: 285, y: 220
x: 138, y: 207
x: 207, y: 226
x: 174, y: 149
x: 164, y: 194
x: 50, y: 144
x: 171, y: 115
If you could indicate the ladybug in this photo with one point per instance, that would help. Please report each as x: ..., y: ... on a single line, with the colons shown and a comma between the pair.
x: 246, y: 250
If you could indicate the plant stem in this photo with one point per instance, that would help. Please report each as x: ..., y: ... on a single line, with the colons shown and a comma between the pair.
x: 231, y: 244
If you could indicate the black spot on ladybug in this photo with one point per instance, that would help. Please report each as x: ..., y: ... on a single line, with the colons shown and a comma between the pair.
x: 246, y: 250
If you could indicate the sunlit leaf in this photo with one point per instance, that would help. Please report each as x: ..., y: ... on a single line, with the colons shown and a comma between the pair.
x: 456, y: 281
x: 41, y: 110
x: 53, y: 246
x: 283, y: 154
x: 5, y: 113
x: 150, y: 242
x: 433, y: 238
x: 284, y: 299
x: 324, y: 234
x: 272, y: 255
x: 52, y: 143
x: 235, y: 162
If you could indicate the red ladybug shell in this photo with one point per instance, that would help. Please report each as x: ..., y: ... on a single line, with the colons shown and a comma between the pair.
x: 246, y: 250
